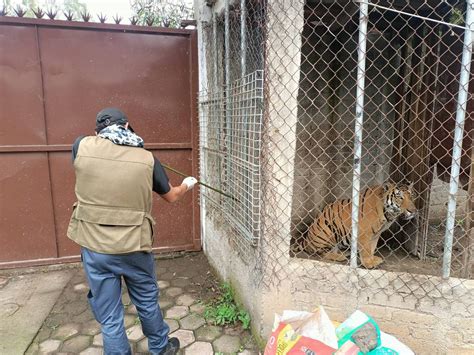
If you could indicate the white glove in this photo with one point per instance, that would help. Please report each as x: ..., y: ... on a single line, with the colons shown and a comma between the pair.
x: 189, y: 182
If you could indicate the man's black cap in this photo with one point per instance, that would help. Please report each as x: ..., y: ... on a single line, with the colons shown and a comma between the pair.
x: 109, y: 116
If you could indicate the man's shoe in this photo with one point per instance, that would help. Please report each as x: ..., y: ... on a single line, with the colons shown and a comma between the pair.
x: 172, y: 347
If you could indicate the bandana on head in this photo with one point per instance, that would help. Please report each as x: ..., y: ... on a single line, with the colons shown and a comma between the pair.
x: 121, y: 136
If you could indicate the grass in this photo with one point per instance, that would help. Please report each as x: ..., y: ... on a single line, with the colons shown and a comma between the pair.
x: 223, y: 310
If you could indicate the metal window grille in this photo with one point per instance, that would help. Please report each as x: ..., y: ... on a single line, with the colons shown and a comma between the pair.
x: 231, y: 118
x: 231, y: 123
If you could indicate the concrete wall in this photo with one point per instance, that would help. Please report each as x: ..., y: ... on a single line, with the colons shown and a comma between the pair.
x: 243, y: 272
x: 429, y: 319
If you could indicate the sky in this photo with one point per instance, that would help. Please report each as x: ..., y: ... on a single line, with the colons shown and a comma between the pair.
x: 110, y: 8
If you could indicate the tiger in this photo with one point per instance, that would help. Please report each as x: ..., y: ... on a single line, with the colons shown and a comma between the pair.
x: 380, y: 206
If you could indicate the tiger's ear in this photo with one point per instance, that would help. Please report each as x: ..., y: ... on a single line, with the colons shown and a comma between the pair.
x: 410, y: 185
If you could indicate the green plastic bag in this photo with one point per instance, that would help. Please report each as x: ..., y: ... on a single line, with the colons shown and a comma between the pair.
x: 361, y: 330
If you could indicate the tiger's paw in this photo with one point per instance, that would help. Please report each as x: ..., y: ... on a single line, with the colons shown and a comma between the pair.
x: 372, y: 262
x: 334, y: 256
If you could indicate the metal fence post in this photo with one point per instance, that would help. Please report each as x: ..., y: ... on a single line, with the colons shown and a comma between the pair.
x: 458, y: 135
x: 214, y: 43
x: 227, y: 88
x: 359, y: 118
x: 243, y: 38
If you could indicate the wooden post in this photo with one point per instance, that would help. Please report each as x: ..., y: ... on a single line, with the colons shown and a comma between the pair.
x: 412, y: 143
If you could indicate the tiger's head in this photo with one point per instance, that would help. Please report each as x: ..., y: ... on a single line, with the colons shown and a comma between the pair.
x: 398, y: 201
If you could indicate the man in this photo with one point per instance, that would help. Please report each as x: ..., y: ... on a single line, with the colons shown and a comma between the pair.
x: 111, y: 221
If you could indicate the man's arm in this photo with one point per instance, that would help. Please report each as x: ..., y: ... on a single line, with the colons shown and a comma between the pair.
x: 162, y: 186
x: 175, y: 193
x: 75, y: 147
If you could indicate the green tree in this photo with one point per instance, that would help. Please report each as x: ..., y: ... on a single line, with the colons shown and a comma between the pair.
x: 165, y: 13
x: 76, y: 7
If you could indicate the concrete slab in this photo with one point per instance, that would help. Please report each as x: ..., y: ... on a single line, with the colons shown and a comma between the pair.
x: 25, y: 302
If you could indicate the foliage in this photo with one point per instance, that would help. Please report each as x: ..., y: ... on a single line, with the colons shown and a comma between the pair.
x: 165, y: 13
x: 224, y: 311
x: 457, y: 17
x: 76, y: 7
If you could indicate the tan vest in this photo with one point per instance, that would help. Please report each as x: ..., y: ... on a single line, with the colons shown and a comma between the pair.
x: 114, y: 186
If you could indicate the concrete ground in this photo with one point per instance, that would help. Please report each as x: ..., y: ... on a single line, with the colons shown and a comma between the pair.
x: 47, y: 312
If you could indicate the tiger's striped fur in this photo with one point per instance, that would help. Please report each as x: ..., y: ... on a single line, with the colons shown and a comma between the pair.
x: 379, y: 207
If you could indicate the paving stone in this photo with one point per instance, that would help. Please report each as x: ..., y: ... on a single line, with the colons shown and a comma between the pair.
x: 76, y: 344
x: 198, y: 308
x: 49, y: 346
x: 98, y: 340
x: 185, y: 337
x: 85, y: 316
x: 192, y: 322
x: 162, y: 268
x: 163, y: 284
x: 208, y: 333
x: 199, y: 347
x: 249, y: 352
x: 77, y: 307
x: 130, y: 320
x: 180, y: 282
x: 174, y: 291
x: 126, y: 299
x: 177, y: 312
x: 82, y: 287
x: 3, y: 281
x: 33, y: 349
x: 142, y: 346
x: 168, y: 276
x: 66, y: 331
x: 173, y: 324
x: 90, y: 328
x: 135, y: 333
x: 227, y: 344
x: 92, y: 351
x: 131, y: 309
x: 249, y: 342
x: 237, y: 331
x: 185, y: 300
x: 165, y: 303
x: 43, y: 334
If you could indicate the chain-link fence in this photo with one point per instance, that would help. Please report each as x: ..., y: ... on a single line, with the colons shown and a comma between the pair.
x: 383, y: 118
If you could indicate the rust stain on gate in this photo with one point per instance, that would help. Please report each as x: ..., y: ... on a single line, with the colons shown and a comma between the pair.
x: 54, y: 77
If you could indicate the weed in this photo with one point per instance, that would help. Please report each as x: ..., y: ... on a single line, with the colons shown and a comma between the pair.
x: 224, y: 311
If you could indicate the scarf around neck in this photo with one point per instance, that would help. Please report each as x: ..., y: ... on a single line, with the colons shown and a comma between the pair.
x: 120, y: 135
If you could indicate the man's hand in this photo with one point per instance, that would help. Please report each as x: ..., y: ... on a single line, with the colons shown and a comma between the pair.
x: 189, y: 182
x: 177, y: 192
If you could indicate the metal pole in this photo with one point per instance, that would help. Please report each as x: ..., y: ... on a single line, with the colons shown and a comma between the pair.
x: 458, y: 134
x: 243, y: 37
x: 359, y: 118
x: 216, y: 57
x: 227, y: 91
x: 227, y: 44
x: 199, y: 182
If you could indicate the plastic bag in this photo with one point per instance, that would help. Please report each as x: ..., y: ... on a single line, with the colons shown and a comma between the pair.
x: 360, y: 334
x: 296, y: 332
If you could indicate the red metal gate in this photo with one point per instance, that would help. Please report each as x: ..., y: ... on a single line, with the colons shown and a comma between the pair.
x: 54, y: 77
